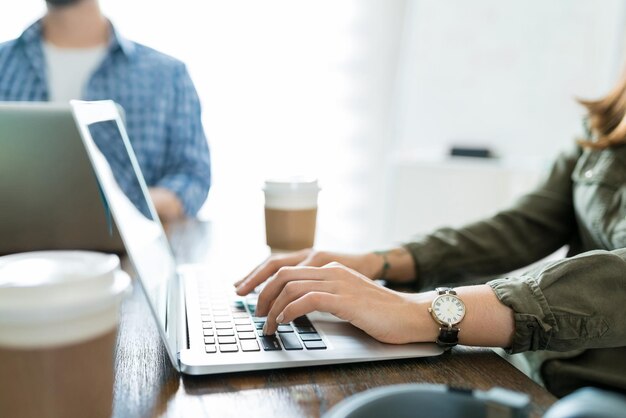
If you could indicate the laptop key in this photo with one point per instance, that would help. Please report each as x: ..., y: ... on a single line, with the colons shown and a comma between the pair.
x: 249, y: 345
x: 207, y: 332
x: 315, y: 345
x: 238, y: 306
x: 207, y: 324
x: 259, y: 325
x: 302, y: 321
x: 226, y: 340
x: 229, y: 348
x: 238, y: 315
x: 209, y: 340
x: 225, y: 332
x: 290, y: 341
x: 305, y: 329
x: 285, y: 328
x: 246, y: 335
x: 210, y: 348
x: 241, y: 321
x: 241, y: 328
x: 269, y: 343
x: 221, y: 318
x: 224, y: 325
x: 311, y: 337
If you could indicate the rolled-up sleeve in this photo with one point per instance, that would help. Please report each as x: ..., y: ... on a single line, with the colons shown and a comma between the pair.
x: 570, y: 304
x: 188, y: 169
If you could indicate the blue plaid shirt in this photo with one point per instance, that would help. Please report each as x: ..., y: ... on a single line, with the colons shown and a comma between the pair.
x: 161, y: 104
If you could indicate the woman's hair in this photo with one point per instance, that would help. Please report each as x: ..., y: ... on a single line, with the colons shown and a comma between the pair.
x: 607, y: 118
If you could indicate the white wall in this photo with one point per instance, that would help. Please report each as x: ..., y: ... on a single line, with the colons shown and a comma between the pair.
x: 504, y: 73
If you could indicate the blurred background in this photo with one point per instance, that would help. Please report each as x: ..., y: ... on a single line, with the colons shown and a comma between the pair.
x: 370, y: 95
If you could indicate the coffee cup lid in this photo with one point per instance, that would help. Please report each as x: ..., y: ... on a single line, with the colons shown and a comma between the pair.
x: 49, y: 285
x: 292, y: 184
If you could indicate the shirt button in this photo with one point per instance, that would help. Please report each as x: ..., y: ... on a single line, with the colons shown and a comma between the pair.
x: 588, y: 174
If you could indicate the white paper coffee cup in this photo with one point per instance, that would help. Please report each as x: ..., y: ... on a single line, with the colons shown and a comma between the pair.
x: 291, y: 212
x: 58, y: 325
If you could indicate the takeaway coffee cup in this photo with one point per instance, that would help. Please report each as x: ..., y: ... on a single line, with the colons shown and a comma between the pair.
x: 290, y: 213
x: 58, y: 322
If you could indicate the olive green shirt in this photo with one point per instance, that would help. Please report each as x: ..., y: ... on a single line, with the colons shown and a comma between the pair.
x: 575, y: 306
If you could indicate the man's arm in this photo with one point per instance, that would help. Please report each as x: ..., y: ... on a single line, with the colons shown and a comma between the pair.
x: 187, y: 170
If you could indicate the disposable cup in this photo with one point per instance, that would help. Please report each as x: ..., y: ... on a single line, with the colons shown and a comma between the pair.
x: 291, y: 213
x: 58, y: 325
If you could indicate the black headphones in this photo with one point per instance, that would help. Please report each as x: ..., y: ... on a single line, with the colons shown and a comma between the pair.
x: 440, y: 401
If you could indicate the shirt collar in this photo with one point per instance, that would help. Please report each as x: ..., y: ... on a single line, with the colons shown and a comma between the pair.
x: 33, y: 35
x: 118, y: 42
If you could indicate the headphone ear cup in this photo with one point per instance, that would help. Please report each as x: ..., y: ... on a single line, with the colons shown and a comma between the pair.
x: 428, y: 401
x: 589, y: 403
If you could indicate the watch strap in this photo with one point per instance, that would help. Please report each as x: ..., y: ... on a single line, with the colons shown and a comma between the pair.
x: 448, y: 337
x: 445, y: 290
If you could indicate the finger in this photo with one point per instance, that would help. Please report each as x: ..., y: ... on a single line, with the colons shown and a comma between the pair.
x: 281, y: 278
x: 292, y: 291
x: 310, y: 302
x: 253, y: 272
x: 267, y: 269
x: 292, y: 258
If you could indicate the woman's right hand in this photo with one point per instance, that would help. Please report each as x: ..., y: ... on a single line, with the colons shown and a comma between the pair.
x: 368, y: 264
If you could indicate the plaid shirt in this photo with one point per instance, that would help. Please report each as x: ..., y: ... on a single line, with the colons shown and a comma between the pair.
x: 161, y: 104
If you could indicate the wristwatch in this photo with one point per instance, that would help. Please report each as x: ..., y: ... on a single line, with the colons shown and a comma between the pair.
x: 448, y: 310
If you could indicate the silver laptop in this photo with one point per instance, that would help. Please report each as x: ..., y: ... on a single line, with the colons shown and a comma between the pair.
x: 205, y: 326
x: 49, y: 197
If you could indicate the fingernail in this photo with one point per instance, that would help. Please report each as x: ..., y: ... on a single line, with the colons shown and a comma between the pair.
x: 280, y: 318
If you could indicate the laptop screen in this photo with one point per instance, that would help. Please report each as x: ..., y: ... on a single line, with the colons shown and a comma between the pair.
x: 127, y: 196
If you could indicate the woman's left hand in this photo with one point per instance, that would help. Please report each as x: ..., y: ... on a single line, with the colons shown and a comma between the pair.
x: 386, y: 315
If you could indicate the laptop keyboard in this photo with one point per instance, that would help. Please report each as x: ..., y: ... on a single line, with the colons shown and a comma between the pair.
x: 231, y: 327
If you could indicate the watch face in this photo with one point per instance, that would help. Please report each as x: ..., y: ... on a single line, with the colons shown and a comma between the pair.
x: 448, y: 309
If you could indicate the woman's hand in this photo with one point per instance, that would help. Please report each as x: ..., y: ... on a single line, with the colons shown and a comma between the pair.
x: 386, y: 315
x: 369, y: 265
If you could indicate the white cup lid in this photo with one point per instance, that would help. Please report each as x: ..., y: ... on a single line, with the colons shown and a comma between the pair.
x: 50, y: 285
x: 293, y: 184
x: 291, y: 193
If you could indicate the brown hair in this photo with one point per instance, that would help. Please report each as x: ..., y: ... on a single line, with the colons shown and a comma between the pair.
x: 606, y: 122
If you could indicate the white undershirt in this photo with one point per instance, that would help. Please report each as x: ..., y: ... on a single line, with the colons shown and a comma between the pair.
x: 69, y: 70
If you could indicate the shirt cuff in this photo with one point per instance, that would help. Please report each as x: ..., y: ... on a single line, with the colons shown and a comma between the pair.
x: 534, y: 321
x: 425, y: 258
x: 191, y: 195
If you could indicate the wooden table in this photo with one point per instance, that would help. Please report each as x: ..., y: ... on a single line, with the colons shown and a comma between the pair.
x: 147, y: 385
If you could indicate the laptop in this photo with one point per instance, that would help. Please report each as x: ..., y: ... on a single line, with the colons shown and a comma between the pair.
x: 204, y: 325
x: 49, y: 197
